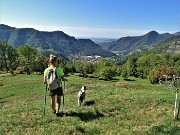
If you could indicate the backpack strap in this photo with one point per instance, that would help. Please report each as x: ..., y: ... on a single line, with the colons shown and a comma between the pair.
x: 56, y: 72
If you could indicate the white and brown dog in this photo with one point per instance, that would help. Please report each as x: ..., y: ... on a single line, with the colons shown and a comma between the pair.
x: 81, y: 95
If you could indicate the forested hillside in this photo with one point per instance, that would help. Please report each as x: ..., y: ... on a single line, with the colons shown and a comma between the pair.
x: 51, y: 42
x: 126, y: 45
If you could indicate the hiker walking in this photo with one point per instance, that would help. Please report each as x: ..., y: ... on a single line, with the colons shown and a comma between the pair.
x: 53, y: 77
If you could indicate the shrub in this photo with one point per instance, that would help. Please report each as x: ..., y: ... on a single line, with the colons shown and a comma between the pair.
x: 157, y: 72
x: 107, y: 72
x: 20, y: 70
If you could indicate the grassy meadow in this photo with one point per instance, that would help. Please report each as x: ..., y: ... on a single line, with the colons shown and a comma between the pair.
x: 117, y: 107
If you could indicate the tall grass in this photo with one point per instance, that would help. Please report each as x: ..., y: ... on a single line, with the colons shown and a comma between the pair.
x: 111, y: 108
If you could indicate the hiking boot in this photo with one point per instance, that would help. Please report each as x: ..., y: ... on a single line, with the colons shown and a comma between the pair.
x: 54, y: 112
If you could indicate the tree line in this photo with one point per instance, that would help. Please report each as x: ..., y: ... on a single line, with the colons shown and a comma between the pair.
x: 26, y: 59
x: 23, y: 59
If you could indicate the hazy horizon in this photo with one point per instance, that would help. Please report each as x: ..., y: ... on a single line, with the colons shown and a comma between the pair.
x: 94, y: 38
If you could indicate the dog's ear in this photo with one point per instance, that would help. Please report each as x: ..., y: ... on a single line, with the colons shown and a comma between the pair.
x: 83, y: 87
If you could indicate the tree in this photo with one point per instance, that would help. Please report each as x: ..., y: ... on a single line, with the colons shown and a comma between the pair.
x: 88, y: 68
x: 157, y: 72
x: 40, y: 63
x: 12, y: 56
x: 3, y: 51
x: 107, y: 72
x: 28, y: 55
x: 84, y: 68
x: 104, y: 70
x: 131, y: 66
x: 99, y: 65
x: 142, y: 66
x: 8, y: 56
x: 125, y: 73
x: 78, y: 66
x: 69, y: 67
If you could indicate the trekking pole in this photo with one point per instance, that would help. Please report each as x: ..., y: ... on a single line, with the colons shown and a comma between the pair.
x: 64, y: 88
x: 175, y: 104
x: 45, y: 100
x: 63, y: 93
x: 178, y: 111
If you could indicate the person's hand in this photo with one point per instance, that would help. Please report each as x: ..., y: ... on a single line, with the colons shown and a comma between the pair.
x: 44, y: 81
x: 64, y: 79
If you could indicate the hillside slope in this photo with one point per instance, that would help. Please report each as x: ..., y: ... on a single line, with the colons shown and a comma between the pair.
x: 145, y: 42
x: 46, y: 42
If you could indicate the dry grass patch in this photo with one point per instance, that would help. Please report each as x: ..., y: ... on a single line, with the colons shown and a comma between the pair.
x: 122, y: 84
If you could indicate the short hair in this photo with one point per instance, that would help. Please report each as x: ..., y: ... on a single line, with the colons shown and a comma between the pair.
x: 52, y: 58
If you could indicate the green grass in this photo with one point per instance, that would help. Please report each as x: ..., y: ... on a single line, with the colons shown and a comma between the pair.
x: 115, y: 107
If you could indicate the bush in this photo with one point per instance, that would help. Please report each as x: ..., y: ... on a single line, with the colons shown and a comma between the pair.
x: 107, y: 73
x: 156, y: 73
x: 20, y: 70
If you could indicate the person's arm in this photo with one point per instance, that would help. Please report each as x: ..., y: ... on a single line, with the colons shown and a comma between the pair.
x: 44, y: 80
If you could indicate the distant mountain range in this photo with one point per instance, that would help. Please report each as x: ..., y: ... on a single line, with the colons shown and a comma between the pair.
x: 51, y: 42
x: 150, y: 40
x: 64, y: 45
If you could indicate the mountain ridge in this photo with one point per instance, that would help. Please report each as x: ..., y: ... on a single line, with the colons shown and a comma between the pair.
x: 51, y: 42
x: 62, y: 44
x: 129, y: 44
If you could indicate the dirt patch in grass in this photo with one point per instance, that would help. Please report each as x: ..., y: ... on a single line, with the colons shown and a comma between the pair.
x: 141, y: 129
x: 99, y: 85
x: 72, y: 89
x: 122, y: 84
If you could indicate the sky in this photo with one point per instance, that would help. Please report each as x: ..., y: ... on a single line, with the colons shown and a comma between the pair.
x: 93, y: 18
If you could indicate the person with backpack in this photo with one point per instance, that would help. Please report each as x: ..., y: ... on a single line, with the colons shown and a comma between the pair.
x: 53, y: 77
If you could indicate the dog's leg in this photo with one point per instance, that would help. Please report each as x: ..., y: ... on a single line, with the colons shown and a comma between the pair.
x: 79, y: 103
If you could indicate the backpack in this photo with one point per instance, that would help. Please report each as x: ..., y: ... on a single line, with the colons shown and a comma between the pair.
x: 52, y: 79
